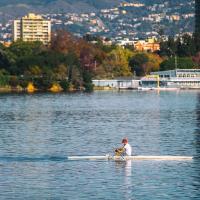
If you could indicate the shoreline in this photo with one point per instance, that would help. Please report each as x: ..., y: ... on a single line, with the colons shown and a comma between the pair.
x: 9, y: 90
x: 19, y: 90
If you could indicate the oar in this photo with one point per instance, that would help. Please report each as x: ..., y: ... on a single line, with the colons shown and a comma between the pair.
x: 122, y: 157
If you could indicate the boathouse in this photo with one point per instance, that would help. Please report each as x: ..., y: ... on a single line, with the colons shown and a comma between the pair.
x: 119, y: 83
x: 180, y: 78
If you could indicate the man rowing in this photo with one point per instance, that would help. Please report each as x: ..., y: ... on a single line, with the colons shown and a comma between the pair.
x: 126, y: 150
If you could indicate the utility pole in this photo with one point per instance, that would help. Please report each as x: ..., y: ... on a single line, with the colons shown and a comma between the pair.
x: 95, y: 65
x: 176, y: 63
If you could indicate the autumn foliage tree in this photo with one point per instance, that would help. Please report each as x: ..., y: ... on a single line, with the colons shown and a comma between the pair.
x: 63, y: 42
x: 144, y: 63
x: 196, y: 59
x: 117, y: 62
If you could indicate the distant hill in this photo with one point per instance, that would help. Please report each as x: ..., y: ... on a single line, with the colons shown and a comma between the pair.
x: 21, y: 7
x: 138, y: 21
x: 10, y: 9
x: 91, y: 3
x: 56, y: 5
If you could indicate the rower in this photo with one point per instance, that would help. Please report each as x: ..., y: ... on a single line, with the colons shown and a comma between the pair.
x: 126, y: 150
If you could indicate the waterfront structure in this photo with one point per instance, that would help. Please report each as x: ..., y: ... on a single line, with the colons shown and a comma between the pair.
x: 197, y: 16
x: 178, y: 78
x: 120, y: 83
x: 178, y: 73
x: 32, y: 28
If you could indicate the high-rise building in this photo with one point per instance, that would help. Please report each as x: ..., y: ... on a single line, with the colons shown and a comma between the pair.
x: 32, y: 28
x: 197, y: 16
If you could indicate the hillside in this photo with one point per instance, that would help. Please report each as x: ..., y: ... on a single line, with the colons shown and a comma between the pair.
x: 56, y: 5
x: 157, y: 16
x: 53, y: 6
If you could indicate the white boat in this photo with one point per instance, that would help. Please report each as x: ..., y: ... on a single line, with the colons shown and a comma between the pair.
x: 166, y: 88
x: 120, y: 158
x: 145, y: 88
x: 158, y: 88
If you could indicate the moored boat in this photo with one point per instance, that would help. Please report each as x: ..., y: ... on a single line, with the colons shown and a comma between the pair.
x: 158, y: 88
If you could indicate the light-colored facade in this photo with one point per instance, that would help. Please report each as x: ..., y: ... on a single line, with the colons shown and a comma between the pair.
x: 149, y: 45
x: 178, y: 73
x: 32, y: 28
x: 179, y: 78
x: 117, y: 83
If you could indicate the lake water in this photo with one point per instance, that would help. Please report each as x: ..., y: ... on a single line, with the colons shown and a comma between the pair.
x: 38, y: 132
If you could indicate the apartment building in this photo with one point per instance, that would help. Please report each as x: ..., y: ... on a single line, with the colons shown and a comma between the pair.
x: 149, y: 45
x: 31, y: 28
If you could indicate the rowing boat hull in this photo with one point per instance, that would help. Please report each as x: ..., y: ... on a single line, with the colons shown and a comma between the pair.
x: 108, y: 157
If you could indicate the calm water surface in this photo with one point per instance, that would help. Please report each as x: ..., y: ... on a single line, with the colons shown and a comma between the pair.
x: 38, y: 132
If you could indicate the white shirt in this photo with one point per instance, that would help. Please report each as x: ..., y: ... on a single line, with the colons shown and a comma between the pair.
x: 128, y: 149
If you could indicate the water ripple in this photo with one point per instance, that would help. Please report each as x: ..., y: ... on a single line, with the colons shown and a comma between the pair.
x: 38, y: 132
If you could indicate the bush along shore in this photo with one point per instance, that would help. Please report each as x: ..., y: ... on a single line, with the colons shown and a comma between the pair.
x: 70, y: 63
x: 32, y: 87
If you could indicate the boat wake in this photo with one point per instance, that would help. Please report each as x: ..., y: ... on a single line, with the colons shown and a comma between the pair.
x: 32, y: 159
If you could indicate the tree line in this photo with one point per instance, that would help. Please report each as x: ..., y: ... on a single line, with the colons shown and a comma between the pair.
x: 73, y: 62
x: 182, y: 51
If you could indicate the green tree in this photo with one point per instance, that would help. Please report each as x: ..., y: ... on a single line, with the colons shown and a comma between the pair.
x: 61, y: 72
x: 65, y: 85
x: 117, y: 62
x: 33, y: 71
x: 196, y: 37
x: 25, y: 55
x: 182, y: 63
x: 14, y: 81
x: 153, y: 64
x: 138, y: 64
x: 43, y: 84
x: 73, y: 64
x: 185, y: 46
x: 4, y: 78
x: 24, y: 49
x: 7, y: 59
x: 87, y: 81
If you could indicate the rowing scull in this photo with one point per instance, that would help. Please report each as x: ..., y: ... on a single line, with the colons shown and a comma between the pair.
x: 108, y: 157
